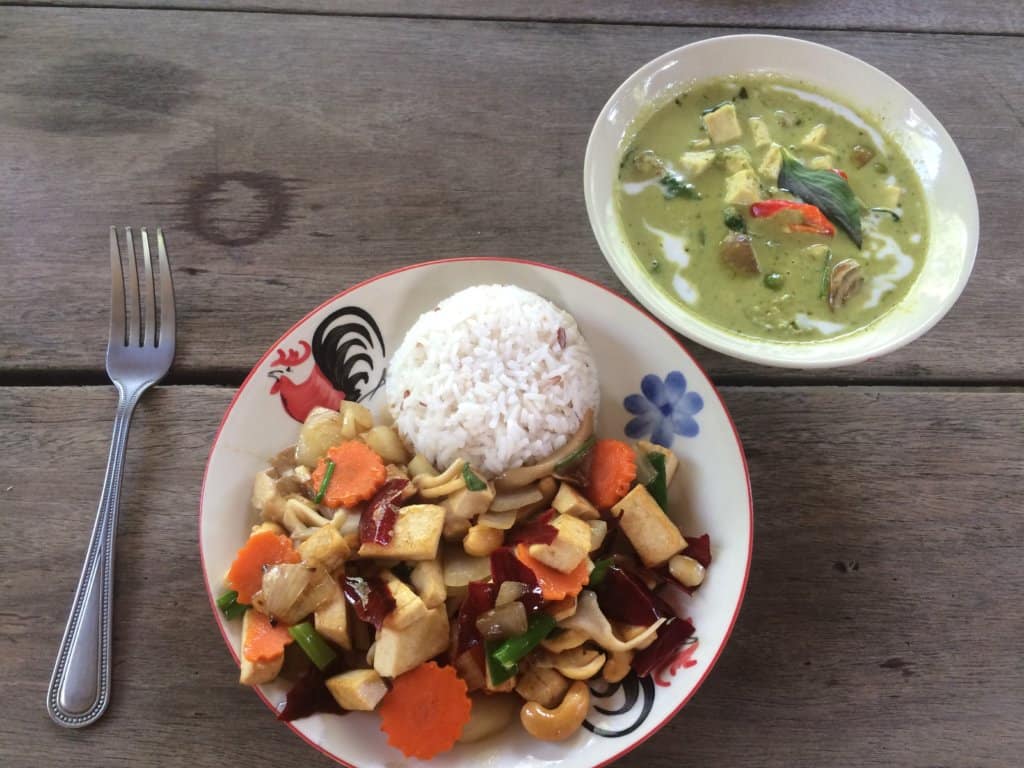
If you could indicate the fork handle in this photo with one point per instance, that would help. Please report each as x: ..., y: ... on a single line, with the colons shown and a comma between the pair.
x: 80, y: 685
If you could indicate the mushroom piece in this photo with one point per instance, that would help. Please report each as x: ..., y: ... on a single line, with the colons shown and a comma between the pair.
x: 737, y: 251
x: 589, y: 619
x: 647, y: 164
x: 522, y: 476
x: 844, y: 281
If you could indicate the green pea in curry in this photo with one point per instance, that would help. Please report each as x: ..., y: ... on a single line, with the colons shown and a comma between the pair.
x: 772, y: 210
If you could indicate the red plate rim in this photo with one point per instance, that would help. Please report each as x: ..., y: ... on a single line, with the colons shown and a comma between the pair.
x: 507, y: 260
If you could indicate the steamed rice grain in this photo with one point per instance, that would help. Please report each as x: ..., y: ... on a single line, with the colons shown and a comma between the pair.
x: 496, y: 375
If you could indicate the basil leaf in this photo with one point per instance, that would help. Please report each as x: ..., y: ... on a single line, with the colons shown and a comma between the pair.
x: 828, y: 191
x: 674, y: 186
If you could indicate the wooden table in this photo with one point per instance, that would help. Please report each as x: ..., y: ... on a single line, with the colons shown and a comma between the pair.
x: 292, y: 148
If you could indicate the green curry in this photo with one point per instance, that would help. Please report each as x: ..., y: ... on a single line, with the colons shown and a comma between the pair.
x: 772, y: 210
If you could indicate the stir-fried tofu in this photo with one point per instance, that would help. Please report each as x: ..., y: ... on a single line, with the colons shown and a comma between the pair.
x: 399, y: 650
x: 416, y: 536
x: 360, y: 689
x: 693, y: 164
x: 569, y: 501
x: 654, y: 537
x: 326, y: 547
x: 257, y: 672
x: 759, y: 130
x: 544, y: 685
x: 265, y: 498
x: 428, y: 579
x: 598, y: 531
x: 742, y: 188
x: 461, y: 507
x: 570, y: 546
x: 671, y: 460
x: 771, y: 163
x: 409, y: 608
x: 331, y: 618
x: 722, y: 125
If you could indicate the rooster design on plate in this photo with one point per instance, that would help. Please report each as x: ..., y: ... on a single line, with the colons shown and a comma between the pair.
x: 343, y: 361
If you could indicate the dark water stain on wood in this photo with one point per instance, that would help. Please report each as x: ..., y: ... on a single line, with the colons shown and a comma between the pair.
x: 897, y: 663
x: 241, y: 208
x: 104, y: 93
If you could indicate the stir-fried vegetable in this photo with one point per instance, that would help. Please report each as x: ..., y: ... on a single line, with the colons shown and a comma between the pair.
x: 503, y: 657
x: 827, y: 191
x: 658, y: 485
x: 314, y: 646
x: 425, y: 711
x: 229, y: 605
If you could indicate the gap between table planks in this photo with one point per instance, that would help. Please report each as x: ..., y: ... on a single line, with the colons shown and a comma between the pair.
x: 981, y: 16
x: 291, y: 156
x: 881, y: 625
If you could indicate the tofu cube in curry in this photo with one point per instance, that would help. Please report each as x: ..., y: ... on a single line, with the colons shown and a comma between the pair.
x: 693, y: 164
x: 771, y: 163
x: 722, y: 124
x: 416, y: 536
x: 654, y: 537
x: 399, y: 650
x: 759, y: 130
x: 570, y: 545
x: 742, y: 188
x: 359, y: 690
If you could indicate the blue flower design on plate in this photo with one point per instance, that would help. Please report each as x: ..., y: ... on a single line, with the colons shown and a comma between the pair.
x: 664, y: 410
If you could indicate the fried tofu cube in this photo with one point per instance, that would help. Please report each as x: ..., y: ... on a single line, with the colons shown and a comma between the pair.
x: 265, y: 498
x: 417, y: 533
x: 326, y: 547
x: 671, y: 460
x: 693, y: 164
x: 360, y: 689
x: 330, y: 618
x: 736, y: 159
x: 399, y: 650
x: 409, y: 608
x: 544, y: 685
x: 759, y: 130
x: 742, y: 188
x: 257, y: 672
x: 570, y: 546
x: 654, y: 537
x: 598, y: 531
x: 461, y: 507
x: 428, y: 579
x: 569, y: 501
x: 722, y: 125
x: 771, y: 163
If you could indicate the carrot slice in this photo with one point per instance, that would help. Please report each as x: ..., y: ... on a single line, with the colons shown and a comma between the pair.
x: 358, y: 474
x: 554, y: 585
x: 263, y: 640
x: 424, y: 712
x: 262, y: 549
x: 612, y: 472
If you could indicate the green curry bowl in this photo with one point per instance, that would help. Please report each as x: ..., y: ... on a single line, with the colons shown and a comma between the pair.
x: 780, y: 201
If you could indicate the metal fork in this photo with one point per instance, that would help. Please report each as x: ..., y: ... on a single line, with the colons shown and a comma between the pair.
x: 139, y: 353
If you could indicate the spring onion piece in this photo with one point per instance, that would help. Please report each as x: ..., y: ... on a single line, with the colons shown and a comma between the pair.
x: 328, y: 471
x: 504, y: 657
x: 473, y: 483
x: 658, y: 486
x: 495, y: 671
x: 310, y: 641
x: 576, y: 455
x: 599, y: 571
x: 229, y: 605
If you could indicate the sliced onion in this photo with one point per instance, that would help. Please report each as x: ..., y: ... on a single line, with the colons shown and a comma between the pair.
x: 501, y: 521
x: 508, y: 592
x: 520, y: 476
x: 460, y: 568
x: 283, y: 584
x: 505, y: 620
x: 507, y: 502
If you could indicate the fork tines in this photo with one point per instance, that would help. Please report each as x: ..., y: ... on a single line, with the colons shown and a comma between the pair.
x: 137, y: 329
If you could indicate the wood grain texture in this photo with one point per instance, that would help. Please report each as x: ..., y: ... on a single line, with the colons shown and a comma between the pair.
x: 291, y: 156
x: 987, y: 16
x: 881, y: 626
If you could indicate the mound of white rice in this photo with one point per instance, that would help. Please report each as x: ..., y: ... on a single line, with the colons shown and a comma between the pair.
x: 495, y: 375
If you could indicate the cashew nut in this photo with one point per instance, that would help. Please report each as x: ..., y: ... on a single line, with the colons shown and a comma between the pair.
x: 617, y: 666
x: 579, y: 663
x: 561, y: 722
x: 686, y: 571
x: 481, y: 540
x: 570, y: 638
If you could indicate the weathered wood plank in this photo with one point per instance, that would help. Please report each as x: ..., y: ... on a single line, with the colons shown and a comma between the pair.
x: 987, y: 16
x: 881, y: 627
x: 291, y: 156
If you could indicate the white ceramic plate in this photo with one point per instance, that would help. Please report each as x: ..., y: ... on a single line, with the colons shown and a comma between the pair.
x: 711, y: 493
x: 952, y: 206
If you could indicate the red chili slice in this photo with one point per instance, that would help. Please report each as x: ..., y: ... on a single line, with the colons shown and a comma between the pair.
x: 537, y: 531
x: 377, y: 525
x: 814, y: 220
x: 370, y: 598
